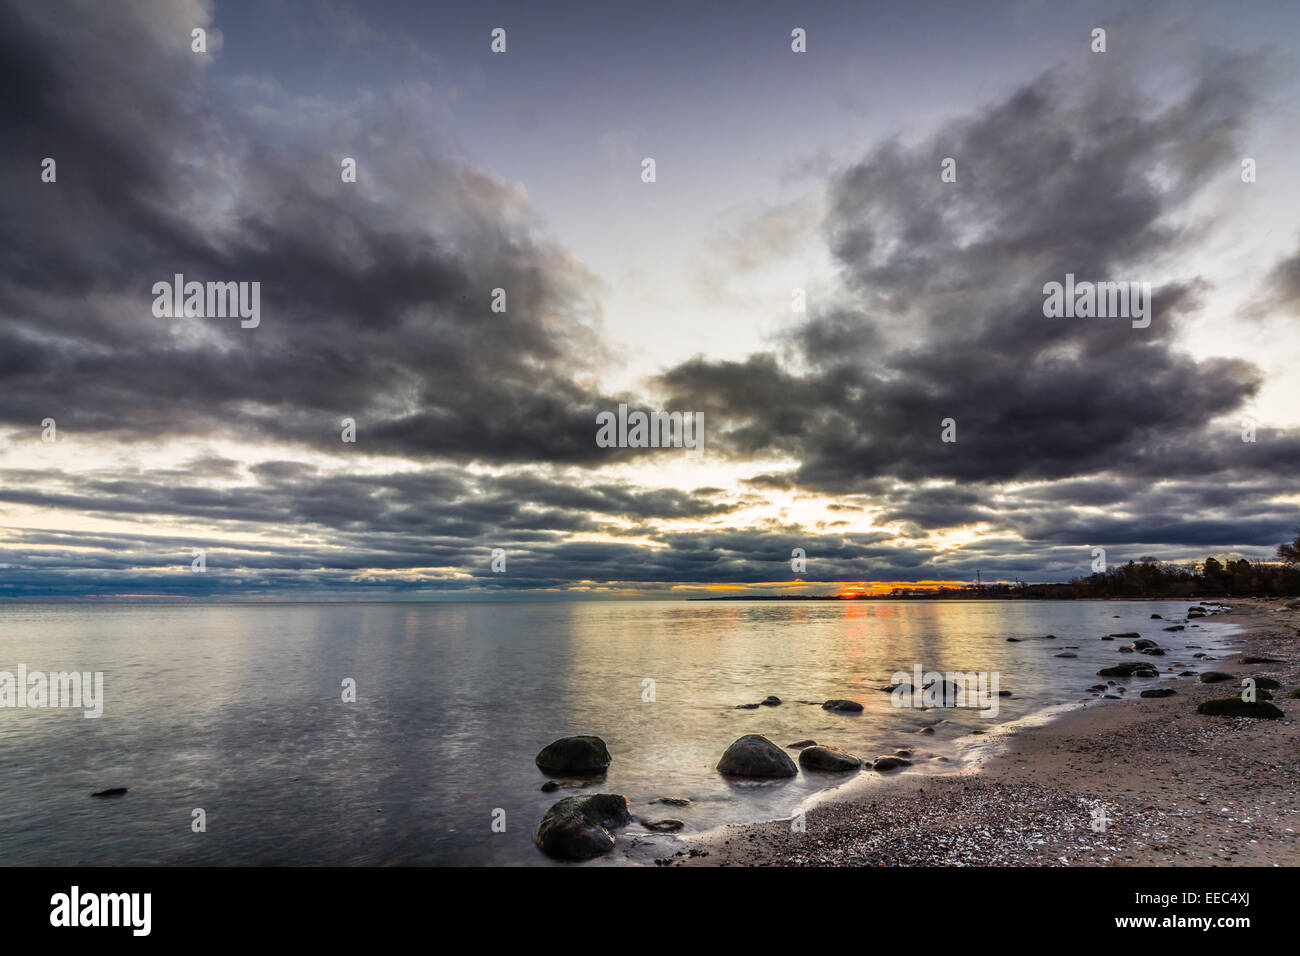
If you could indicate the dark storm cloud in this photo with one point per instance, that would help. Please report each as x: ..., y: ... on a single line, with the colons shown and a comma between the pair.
x: 414, y: 510
x: 375, y: 296
x: 943, y: 307
x: 375, y: 306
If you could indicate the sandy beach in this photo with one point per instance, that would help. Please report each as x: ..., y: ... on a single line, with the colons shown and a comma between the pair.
x: 1173, y: 787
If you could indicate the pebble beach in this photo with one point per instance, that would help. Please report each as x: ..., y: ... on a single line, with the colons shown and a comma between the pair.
x: 1132, y: 782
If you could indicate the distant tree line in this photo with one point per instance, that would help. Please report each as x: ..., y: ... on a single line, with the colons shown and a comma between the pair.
x: 1149, y: 578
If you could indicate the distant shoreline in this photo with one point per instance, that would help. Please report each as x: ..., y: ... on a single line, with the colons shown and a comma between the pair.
x: 956, y: 595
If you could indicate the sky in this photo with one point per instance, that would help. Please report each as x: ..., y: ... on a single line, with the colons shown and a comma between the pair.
x: 840, y: 264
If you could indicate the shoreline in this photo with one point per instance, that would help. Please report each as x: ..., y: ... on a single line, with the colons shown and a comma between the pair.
x: 1133, y: 782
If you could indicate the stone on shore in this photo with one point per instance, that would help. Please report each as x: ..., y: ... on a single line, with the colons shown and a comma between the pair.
x: 753, y: 755
x: 1214, y: 677
x: 1159, y: 692
x: 1236, y: 707
x: 578, y: 828
x: 829, y: 759
x: 582, y: 754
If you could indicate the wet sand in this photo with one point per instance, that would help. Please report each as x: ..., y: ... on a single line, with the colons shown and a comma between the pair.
x: 1173, y: 787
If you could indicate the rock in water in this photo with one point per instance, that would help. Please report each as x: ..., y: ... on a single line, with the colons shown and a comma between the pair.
x: 800, y: 744
x: 771, y: 701
x: 577, y: 828
x: 110, y: 792
x: 1236, y: 707
x: 843, y: 706
x: 1134, y: 669
x: 1143, y: 643
x: 574, y: 755
x: 753, y: 755
x: 889, y: 762
x: 828, y: 759
x: 663, y: 826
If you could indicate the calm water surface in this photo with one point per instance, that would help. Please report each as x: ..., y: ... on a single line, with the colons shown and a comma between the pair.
x: 238, y: 710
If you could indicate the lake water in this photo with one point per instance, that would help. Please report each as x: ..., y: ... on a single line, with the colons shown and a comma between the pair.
x: 238, y: 710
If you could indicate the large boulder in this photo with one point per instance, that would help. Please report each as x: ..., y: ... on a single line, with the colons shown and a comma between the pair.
x: 753, y: 755
x: 578, y: 828
x: 828, y: 759
x: 1236, y: 707
x: 574, y: 755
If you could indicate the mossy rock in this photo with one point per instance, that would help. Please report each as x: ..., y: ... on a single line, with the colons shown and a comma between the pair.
x: 1236, y: 707
x: 1267, y: 683
x: 1295, y: 694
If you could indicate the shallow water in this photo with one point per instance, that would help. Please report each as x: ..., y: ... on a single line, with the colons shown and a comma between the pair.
x: 237, y: 710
